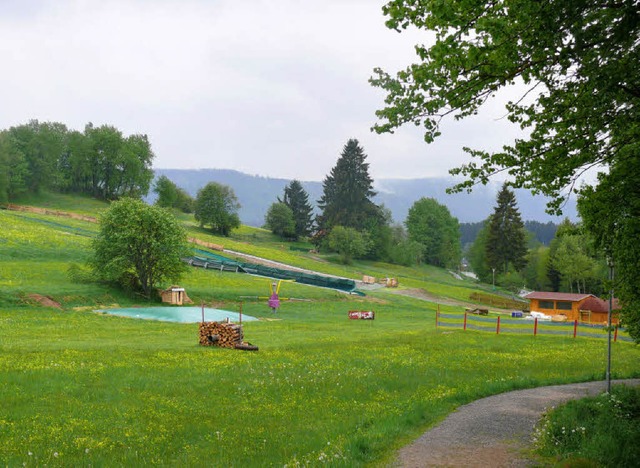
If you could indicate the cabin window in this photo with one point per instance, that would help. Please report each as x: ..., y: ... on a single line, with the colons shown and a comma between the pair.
x: 546, y: 304
x: 563, y: 305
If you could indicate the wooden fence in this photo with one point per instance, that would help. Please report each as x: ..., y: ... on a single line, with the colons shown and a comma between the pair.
x: 533, y: 327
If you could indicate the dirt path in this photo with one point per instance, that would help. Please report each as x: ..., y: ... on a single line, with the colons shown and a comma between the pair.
x: 494, y: 431
x: 426, y: 296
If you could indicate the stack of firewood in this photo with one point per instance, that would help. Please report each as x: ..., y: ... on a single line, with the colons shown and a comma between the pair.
x: 225, y: 335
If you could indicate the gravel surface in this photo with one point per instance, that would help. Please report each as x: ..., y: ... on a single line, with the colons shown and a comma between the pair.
x: 494, y: 431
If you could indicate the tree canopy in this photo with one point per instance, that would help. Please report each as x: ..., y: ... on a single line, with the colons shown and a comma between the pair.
x: 348, y: 242
x: 611, y: 213
x: 577, y: 61
x: 100, y: 162
x: 432, y: 225
x: 172, y: 196
x: 216, y: 206
x: 279, y: 220
x: 477, y: 255
x: 139, y: 246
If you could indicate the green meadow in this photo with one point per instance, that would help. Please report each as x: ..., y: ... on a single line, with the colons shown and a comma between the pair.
x: 82, y: 388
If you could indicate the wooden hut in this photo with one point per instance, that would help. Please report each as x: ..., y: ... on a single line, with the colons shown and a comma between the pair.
x: 175, y: 295
x: 596, y: 310
x: 582, y: 307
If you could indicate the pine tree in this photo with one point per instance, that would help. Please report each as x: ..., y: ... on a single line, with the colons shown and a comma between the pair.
x: 506, y: 238
x: 347, y: 191
x: 297, y: 199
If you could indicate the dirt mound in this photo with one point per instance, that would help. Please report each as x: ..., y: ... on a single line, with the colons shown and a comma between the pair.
x: 44, y: 300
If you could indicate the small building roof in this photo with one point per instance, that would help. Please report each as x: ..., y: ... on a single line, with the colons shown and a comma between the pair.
x: 557, y: 296
x: 595, y: 304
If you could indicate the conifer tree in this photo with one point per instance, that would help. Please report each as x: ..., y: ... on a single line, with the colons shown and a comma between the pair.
x: 347, y: 191
x: 297, y: 199
x: 506, y: 238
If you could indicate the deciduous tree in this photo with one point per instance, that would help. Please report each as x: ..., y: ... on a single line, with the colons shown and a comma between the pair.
x: 41, y: 144
x: 478, y: 255
x: 573, y: 263
x: 431, y: 224
x: 280, y: 220
x: 139, y: 246
x: 100, y: 162
x: 404, y: 251
x: 167, y: 192
x: 348, y: 242
x: 611, y: 212
x: 216, y: 206
x: 577, y: 61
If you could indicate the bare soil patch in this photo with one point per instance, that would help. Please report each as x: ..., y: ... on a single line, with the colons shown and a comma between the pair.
x: 45, y: 211
x: 44, y: 300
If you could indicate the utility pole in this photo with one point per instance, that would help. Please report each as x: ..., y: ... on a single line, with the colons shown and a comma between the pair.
x: 610, y: 264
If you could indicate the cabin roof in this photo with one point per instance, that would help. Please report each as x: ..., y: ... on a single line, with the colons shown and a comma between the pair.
x: 557, y: 296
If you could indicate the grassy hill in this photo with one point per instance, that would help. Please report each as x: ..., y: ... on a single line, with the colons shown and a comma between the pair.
x: 83, y: 388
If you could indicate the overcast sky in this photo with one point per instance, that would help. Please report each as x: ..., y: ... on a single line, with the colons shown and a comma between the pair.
x: 268, y: 87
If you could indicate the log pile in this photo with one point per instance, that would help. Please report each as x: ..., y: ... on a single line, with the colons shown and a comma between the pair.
x: 225, y: 335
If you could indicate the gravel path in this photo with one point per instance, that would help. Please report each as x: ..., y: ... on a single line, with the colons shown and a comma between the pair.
x: 493, y: 431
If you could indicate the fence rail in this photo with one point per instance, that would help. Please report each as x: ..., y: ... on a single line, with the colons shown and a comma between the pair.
x: 533, y: 327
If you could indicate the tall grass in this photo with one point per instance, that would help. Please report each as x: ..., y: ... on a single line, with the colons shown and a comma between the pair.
x: 320, y: 388
x: 599, y: 431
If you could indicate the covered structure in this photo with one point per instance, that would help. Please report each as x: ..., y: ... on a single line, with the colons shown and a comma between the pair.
x: 582, y: 307
x: 175, y: 295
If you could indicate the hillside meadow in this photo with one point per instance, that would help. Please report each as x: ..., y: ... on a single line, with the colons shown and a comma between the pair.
x: 86, y: 388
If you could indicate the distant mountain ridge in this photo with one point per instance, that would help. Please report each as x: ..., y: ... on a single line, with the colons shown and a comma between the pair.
x: 257, y: 193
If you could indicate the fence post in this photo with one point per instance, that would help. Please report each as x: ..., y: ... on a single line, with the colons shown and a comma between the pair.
x: 465, y: 322
x: 535, y: 327
x: 615, y: 335
x: 498, y: 326
x: 575, y: 328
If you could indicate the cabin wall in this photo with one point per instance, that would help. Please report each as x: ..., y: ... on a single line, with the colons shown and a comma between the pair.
x: 571, y: 314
